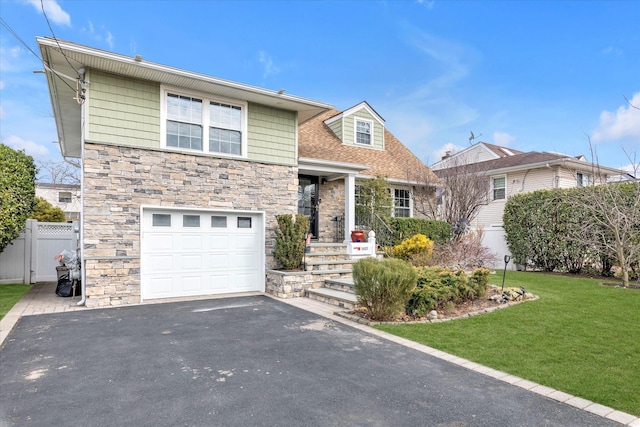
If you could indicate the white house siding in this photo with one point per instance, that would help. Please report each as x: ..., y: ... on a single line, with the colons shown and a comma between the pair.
x: 119, y: 180
x: 475, y: 154
x: 51, y: 193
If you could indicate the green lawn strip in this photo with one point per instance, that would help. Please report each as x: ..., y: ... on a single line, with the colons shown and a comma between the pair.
x: 579, y: 337
x: 10, y: 295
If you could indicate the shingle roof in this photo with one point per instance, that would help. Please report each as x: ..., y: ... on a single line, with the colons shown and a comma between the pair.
x: 502, y: 151
x: 317, y: 141
x: 522, y: 159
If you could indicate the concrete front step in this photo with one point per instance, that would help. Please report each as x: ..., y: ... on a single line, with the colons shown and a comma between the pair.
x: 340, y: 299
x: 328, y: 265
x: 342, y: 284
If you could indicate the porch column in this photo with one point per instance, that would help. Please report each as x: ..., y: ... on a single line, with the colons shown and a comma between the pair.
x: 349, y: 206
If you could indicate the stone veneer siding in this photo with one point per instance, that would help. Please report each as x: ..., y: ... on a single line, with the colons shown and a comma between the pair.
x: 332, y: 206
x: 118, y: 180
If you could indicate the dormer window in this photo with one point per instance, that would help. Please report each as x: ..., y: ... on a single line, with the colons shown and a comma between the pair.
x: 364, y: 129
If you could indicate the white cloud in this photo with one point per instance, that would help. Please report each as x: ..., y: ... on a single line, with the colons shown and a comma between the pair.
x: 621, y: 125
x: 503, y: 139
x: 53, y: 11
x: 29, y: 147
x: 1, y: 112
x: 267, y: 62
x: 427, y: 3
x: 447, y: 148
x: 611, y: 50
x: 109, y: 40
x: 100, y: 34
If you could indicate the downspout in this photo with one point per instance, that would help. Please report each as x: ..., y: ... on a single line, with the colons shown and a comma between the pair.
x: 83, y: 270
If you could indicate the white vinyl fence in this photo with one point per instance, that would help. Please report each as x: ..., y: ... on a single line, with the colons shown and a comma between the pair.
x: 493, y: 238
x: 30, y: 257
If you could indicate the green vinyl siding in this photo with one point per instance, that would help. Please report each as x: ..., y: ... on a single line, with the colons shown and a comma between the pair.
x: 336, y: 127
x: 271, y: 135
x: 122, y: 110
x: 349, y: 129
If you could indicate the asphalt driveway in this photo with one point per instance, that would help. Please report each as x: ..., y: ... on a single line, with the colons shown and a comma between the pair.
x: 249, y: 361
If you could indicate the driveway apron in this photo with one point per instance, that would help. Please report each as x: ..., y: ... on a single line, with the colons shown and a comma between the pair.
x: 248, y: 361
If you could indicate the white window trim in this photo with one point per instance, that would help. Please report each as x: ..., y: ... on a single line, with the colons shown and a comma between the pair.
x: 164, y: 90
x: 393, y: 209
x: 585, y: 181
x: 505, y: 188
x: 355, y: 131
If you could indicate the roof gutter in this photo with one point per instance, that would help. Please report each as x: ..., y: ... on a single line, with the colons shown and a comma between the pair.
x: 83, y: 50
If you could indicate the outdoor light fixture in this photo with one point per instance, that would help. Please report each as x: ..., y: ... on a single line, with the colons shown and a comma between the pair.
x: 507, y: 258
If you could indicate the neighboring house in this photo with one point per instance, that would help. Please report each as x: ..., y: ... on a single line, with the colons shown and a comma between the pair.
x: 63, y: 196
x: 512, y: 172
x: 183, y: 174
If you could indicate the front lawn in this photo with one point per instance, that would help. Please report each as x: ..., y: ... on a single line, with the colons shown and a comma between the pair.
x: 579, y: 337
x: 10, y: 295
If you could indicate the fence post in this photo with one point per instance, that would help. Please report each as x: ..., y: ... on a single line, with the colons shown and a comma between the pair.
x: 30, y: 237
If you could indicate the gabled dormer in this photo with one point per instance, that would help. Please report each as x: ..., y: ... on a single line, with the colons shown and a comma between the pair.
x: 359, y: 126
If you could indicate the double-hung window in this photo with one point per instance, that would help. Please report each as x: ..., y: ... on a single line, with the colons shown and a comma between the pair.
x: 364, y: 130
x: 499, y: 187
x: 184, y: 122
x: 208, y: 125
x: 401, y: 203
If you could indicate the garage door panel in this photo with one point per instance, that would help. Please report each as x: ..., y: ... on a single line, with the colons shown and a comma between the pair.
x: 219, y: 261
x: 220, y: 242
x: 191, y: 261
x: 161, y: 262
x: 189, y: 242
x: 190, y: 258
x: 191, y: 284
x: 244, y: 260
x: 217, y: 283
x: 159, y: 242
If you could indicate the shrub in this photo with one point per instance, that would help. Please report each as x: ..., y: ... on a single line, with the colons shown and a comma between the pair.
x: 464, y: 253
x: 290, y: 240
x: 417, y: 249
x: 439, y: 288
x: 46, y: 212
x: 17, y: 191
x: 383, y: 287
x: 438, y: 231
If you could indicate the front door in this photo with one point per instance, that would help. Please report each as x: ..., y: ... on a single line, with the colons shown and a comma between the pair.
x: 308, y: 201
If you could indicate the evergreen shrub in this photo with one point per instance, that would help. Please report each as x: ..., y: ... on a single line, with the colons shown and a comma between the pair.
x: 383, y: 287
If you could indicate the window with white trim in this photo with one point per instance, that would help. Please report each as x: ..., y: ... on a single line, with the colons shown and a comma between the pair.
x: 364, y: 131
x: 401, y: 203
x: 207, y: 125
x: 499, y: 187
x: 583, y: 179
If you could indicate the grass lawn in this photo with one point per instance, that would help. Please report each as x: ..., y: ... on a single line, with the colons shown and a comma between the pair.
x: 10, y: 295
x: 579, y: 337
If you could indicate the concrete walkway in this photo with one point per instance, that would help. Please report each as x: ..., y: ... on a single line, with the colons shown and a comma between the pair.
x: 41, y: 299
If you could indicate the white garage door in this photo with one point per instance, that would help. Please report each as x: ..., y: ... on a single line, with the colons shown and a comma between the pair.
x: 190, y: 253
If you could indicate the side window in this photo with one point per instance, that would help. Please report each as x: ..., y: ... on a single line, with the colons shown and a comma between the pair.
x: 499, y: 188
x: 161, y: 220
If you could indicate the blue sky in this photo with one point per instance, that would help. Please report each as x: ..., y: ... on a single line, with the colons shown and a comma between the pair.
x: 538, y: 75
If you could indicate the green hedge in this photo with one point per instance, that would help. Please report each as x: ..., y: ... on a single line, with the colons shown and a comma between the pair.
x: 564, y: 229
x: 403, y: 228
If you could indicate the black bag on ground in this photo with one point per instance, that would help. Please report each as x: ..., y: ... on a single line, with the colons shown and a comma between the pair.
x: 65, y: 287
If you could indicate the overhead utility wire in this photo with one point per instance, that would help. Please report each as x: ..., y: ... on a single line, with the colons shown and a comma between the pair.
x: 56, y: 40
x: 55, y: 73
